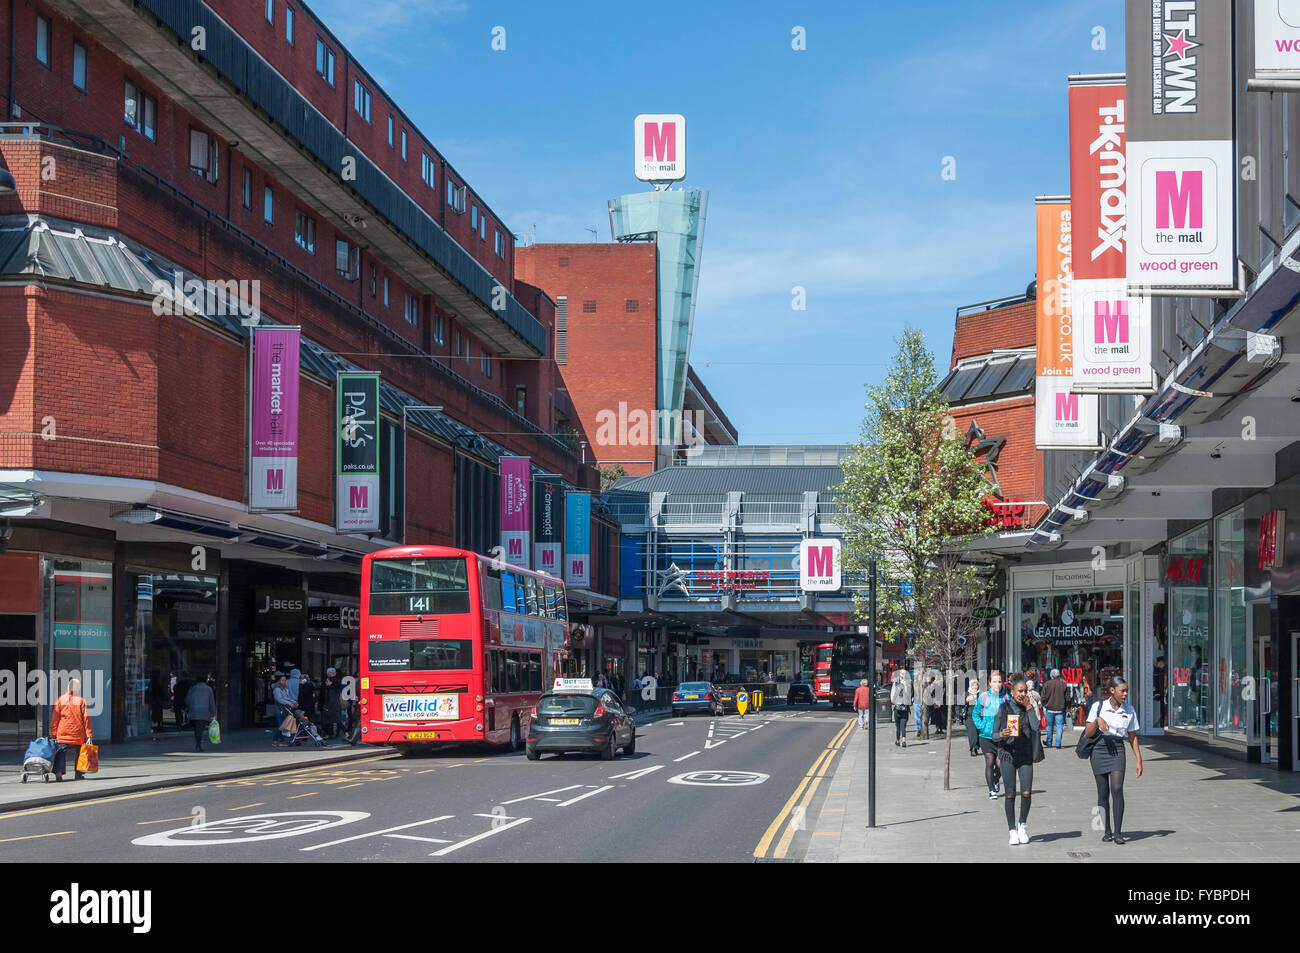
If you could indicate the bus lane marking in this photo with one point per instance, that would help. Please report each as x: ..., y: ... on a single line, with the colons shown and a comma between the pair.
x: 400, y: 827
x: 495, y: 829
x: 543, y: 794
x: 685, y: 756
x: 580, y: 797
x: 633, y: 775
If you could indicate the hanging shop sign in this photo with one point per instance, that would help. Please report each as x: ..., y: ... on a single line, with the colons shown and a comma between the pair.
x: 273, y: 434
x: 548, y: 524
x: 1272, y: 540
x: 357, y: 453
x: 516, y: 514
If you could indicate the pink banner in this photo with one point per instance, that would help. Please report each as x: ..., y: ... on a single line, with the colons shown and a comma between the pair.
x: 516, y: 511
x: 273, y: 474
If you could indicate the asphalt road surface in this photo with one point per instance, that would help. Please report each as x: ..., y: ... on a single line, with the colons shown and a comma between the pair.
x: 698, y: 789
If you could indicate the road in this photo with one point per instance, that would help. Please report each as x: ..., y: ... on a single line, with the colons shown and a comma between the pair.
x: 698, y: 789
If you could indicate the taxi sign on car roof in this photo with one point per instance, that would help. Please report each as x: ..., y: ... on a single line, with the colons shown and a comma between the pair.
x: 577, y: 684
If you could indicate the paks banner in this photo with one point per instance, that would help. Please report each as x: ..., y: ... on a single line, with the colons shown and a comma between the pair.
x: 1277, y: 39
x: 1112, y: 329
x: 1062, y: 420
x: 357, y: 453
x: 516, y: 514
x: 548, y: 524
x: 1181, y: 167
x: 577, y: 539
x: 273, y: 431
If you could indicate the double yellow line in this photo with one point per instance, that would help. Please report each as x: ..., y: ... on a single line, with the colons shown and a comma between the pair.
x: 806, y: 789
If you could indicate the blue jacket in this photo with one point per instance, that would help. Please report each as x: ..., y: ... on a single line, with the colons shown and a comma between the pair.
x: 986, y: 712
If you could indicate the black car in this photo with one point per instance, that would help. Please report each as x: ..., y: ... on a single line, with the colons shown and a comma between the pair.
x: 726, y: 699
x: 580, y: 719
x: 799, y: 692
x: 695, y: 696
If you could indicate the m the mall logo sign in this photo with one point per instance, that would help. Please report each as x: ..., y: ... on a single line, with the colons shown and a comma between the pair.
x: 660, y: 144
x: 819, y: 565
x: 1174, y: 72
x: 1067, y: 410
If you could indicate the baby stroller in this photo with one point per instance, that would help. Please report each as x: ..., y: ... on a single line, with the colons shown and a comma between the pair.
x: 39, y: 759
x: 306, y: 731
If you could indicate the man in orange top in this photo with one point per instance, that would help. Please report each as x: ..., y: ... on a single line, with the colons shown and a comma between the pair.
x: 862, y: 702
x: 71, y: 729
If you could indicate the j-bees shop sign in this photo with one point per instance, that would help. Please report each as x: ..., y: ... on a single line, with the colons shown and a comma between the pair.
x: 280, y: 610
x: 334, y: 617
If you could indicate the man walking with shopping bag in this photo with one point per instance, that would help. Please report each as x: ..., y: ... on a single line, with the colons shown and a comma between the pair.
x: 202, y: 704
x: 70, y: 725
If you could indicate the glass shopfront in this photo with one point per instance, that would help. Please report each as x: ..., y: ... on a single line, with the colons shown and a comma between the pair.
x: 1232, y: 661
x: 1082, y: 633
x: 79, y: 634
x: 1186, y: 576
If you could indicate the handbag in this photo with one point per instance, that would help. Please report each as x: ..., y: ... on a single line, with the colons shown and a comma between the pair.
x: 214, y: 732
x: 1083, y: 747
x: 88, y: 759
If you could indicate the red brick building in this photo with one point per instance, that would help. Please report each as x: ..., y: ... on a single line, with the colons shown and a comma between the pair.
x: 237, y: 142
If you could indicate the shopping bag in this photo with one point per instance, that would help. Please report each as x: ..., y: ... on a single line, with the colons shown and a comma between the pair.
x: 289, y: 725
x: 214, y: 732
x: 88, y: 759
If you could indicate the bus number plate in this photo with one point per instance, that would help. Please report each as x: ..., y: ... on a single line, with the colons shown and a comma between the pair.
x: 421, y: 735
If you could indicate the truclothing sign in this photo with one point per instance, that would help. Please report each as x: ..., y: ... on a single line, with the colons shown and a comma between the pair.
x: 577, y: 539
x: 1062, y: 420
x: 273, y: 453
x: 1180, y: 149
x: 1277, y: 39
x: 357, y: 453
x: 548, y: 525
x: 1112, y: 329
x: 516, y: 514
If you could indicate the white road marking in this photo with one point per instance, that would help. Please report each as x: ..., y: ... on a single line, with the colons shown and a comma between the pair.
x: 400, y: 827
x: 639, y: 773
x: 672, y: 724
x: 536, y: 797
x: 713, y: 744
x: 575, y: 800
x: 427, y: 840
x: 479, y: 837
x: 685, y: 756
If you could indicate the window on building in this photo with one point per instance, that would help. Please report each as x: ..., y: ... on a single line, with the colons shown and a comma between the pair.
x: 361, y: 99
x: 288, y: 24
x: 439, y: 329
x: 203, y: 154
x: 347, y: 259
x: 268, y: 206
x: 247, y: 193
x: 427, y: 170
x: 390, y: 132
x: 141, y: 111
x: 561, y: 330
x: 521, y: 401
x: 500, y: 244
x: 482, y: 227
x: 456, y: 196
x: 632, y: 305
x: 43, y: 41
x: 385, y: 291
x: 270, y: 11
x: 374, y: 274
x: 473, y: 217
x: 412, y: 310
x: 79, y: 66
x: 304, y: 230
x: 589, y: 306
x: 324, y: 61
x: 403, y: 145
x: 485, y: 363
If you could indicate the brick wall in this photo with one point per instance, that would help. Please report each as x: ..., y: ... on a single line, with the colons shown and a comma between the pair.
x: 980, y: 332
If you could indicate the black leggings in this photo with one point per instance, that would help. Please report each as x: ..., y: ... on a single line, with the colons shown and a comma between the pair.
x: 992, y: 773
x: 1020, y: 777
x: 900, y: 726
x: 1110, y: 791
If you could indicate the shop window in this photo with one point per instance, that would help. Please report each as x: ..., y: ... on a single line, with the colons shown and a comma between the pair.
x: 79, y: 634
x: 1186, y: 578
x: 1079, y: 632
x: 1232, y: 657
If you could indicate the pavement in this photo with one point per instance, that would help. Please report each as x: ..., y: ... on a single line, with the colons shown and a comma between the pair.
x: 1189, y: 806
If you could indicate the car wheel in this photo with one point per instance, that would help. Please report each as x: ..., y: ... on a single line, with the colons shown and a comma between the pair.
x: 516, y: 739
x: 610, y: 751
x: 532, y: 754
x: 630, y: 747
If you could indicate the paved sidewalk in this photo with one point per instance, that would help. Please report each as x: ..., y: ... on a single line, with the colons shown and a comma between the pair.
x: 1189, y: 806
x: 169, y: 760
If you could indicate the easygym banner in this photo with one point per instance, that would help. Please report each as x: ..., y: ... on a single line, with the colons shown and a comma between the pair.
x: 273, y: 430
x: 516, y: 514
x: 548, y: 523
x: 357, y: 453
x: 1062, y: 420
x: 1277, y: 39
x: 1112, y: 329
x: 577, y: 539
x: 1181, y: 195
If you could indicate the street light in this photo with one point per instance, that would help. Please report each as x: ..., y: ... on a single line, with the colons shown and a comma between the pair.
x: 406, y: 460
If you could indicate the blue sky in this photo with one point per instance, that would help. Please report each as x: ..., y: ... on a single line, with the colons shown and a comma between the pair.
x: 823, y: 165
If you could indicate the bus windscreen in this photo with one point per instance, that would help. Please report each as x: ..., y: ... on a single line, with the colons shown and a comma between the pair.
x: 421, y: 655
x: 433, y: 586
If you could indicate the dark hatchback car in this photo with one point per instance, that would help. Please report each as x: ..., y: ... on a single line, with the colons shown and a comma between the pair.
x: 695, y: 696
x: 580, y: 720
x: 800, y: 692
x: 726, y: 697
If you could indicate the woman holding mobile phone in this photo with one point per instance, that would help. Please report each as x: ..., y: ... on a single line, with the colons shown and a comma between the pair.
x: 1117, y: 722
x: 1015, y: 729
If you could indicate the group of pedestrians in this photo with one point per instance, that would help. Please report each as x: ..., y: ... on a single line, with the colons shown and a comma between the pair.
x: 1011, y: 724
x: 297, y: 698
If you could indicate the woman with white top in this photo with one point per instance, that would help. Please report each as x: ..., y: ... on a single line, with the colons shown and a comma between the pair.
x: 1117, y: 722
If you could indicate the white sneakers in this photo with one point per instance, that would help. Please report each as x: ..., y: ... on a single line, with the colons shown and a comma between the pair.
x: 1013, y: 838
x: 1022, y: 833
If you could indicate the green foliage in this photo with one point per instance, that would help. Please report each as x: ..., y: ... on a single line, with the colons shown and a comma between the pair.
x: 609, y: 475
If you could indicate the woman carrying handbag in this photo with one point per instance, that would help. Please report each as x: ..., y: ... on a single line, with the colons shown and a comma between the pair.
x: 1111, y: 723
x: 1020, y: 746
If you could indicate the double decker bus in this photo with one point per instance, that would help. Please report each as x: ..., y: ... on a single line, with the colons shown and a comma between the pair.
x: 455, y: 647
x: 822, y: 670
x: 849, y: 657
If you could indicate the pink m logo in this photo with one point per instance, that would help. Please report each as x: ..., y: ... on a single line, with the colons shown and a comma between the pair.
x: 1067, y: 407
x: 661, y: 141
x: 577, y: 567
x: 821, y: 561
x: 1183, y: 200
x: 516, y: 547
x: 1110, y: 327
x: 275, y: 480
x: 359, y: 497
x: 548, y: 557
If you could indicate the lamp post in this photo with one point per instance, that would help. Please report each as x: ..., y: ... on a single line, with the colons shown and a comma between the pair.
x: 871, y: 720
x: 406, y: 466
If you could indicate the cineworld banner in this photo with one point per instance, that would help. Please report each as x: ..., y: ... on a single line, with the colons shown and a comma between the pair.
x: 577, y: 539
x: 1277, y: 39
x: 1181, y: 195
x: 1062, y: 420
x: 516, y: 514
x: 548, y: 524
x: 1112, y: 329
x: 273, y: 431
x: 357, y: 453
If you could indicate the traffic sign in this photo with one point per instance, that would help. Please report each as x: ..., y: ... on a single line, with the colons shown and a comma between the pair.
x: 742, y: 702
x: 905, y: 589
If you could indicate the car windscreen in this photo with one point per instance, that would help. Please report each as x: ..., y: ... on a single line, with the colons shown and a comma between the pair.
x: 425, y: 586
x: 566, y: 705
x: 694, y: 687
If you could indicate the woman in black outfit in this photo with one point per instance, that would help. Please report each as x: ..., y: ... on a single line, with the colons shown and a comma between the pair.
x: 972, y: 729
x: 1117, y: 722
x: 1019, y: 746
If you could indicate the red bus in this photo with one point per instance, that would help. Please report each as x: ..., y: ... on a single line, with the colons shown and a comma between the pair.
x: 822, y: 669
x: 455, y: 647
